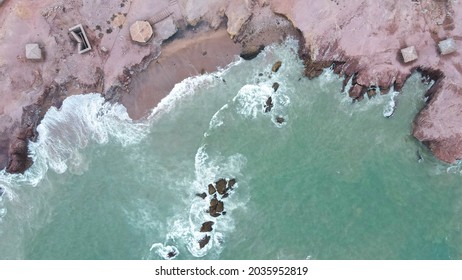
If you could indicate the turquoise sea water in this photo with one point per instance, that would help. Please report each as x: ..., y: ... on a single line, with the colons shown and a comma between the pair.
x: 335, y: 180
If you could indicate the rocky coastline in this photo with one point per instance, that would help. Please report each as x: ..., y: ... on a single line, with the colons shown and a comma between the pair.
x: 360, y: 39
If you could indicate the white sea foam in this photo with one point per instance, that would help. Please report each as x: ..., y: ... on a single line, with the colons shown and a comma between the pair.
x: 167, y: 252
x: 81, y: 119
x: 63, y: 133
x: 184, y: 230
x: 390, y: 106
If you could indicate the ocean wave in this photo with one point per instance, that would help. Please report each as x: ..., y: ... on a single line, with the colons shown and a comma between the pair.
x: 63, y: 133
x: 188, y: 87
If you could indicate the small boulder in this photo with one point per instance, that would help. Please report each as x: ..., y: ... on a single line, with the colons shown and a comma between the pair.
x: 215, y: 214
x: 212, y: 189
x: 371, y: 92
x: 250, y: 52
x: 220, y: 206
x: 280, y: 120
x: 221, y: 186
x: 213, y: 202
x: 207, y: 226
x: 276, y: 66
x: 356, y: 92
x: 204, y: 241
x: 231, y: 183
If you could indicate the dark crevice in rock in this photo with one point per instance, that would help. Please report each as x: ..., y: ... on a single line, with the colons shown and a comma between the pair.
x: 435, y: 75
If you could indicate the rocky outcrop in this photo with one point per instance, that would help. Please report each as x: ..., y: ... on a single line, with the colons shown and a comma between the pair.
x: 362, y: 41
x: 438, y: 124
x: 218, y: 191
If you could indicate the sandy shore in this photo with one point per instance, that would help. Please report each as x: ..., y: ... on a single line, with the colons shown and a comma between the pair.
x: 362, y: 39
x: 195, y: 54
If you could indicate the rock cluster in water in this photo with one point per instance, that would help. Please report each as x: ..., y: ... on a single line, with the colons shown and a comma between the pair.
x: 217, y: 191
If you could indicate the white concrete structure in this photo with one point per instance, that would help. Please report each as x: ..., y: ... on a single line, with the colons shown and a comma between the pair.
x: 78, y: 33
x: 409, y: 54
x: 33, y: 52
x: 141, y: 31
x: 447, y: 46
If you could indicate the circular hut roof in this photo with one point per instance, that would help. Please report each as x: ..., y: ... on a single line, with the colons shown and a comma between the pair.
x: 141, y: 31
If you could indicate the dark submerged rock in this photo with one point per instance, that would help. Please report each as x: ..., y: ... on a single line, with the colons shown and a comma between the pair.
x: 231, y: 183
x: 269, y: 104
x: 275, y: 86
x: 280, y: 120
x: 207, y: 226
x: 204, y: 241
x: 201, y: 195
x: 171, y: 254
x: 276, y: 66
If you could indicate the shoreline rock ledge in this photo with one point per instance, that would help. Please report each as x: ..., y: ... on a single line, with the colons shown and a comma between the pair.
x: 363, y: 39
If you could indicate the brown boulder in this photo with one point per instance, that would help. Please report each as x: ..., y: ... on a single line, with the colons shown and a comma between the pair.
x: 204, y: 241
x: 220, y: 206
x: 212, y: 189
x: 357, y: 92
x: 250, y: 52
x: 221, y: 186
x: 213, y: 202
x: 276, y: 66
x: 207, y: 226
x: 371, y: 92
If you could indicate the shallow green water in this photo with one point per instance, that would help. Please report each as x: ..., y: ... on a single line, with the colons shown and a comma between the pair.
x: 336, y: 180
